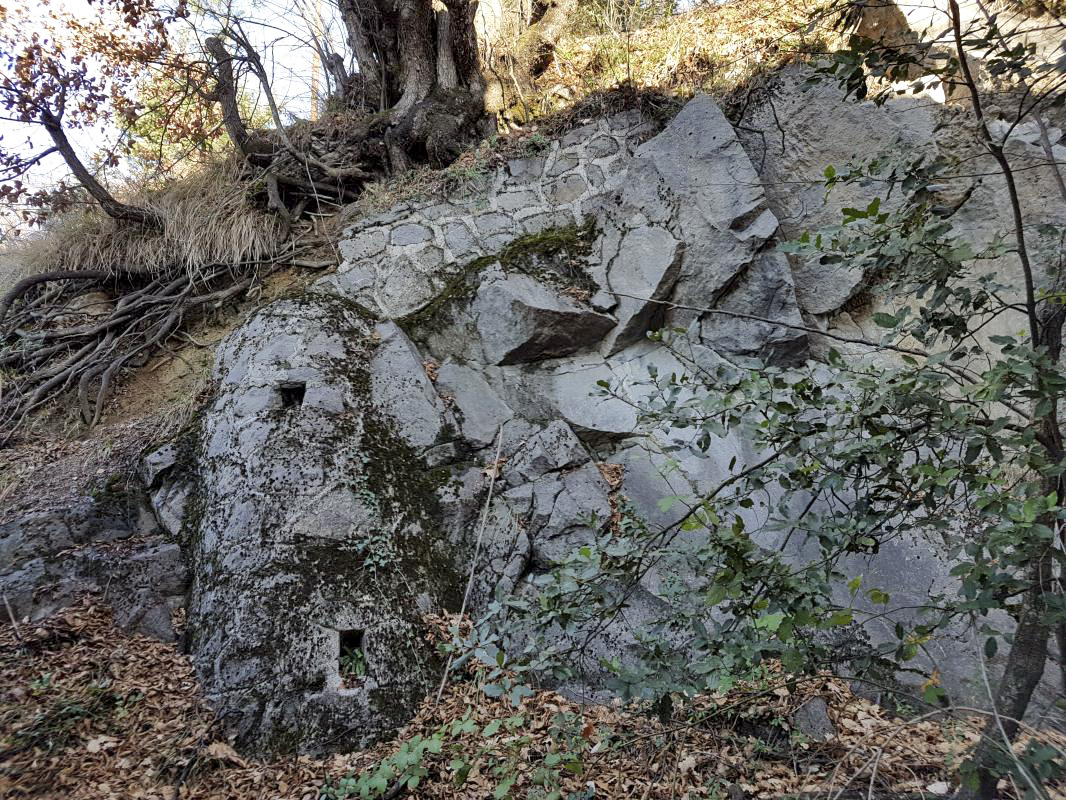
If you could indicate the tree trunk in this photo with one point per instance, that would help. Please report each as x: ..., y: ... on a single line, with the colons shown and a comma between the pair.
x: 537, y: 49
x: 225, y: 92
x: 1029, y: 647
x: 1025, y: 667
x: 435, y: 66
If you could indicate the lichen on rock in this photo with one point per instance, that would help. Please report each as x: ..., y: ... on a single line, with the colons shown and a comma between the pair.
x: 341, y: 466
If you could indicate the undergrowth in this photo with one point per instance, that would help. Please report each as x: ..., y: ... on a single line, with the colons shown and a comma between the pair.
x: 209, y: 217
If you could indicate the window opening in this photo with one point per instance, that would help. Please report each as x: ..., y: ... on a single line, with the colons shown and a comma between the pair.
x: 351, y: 660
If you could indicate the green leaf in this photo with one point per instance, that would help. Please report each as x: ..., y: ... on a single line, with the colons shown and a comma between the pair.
x: 885, y: 320
x: 843, y: 617
x: 991, y: 646
x: 379, y: 783
x: 933, y: 694
x: 503, y: 789
x: 691, y: 523
x: 877, y: 596
x: 518, y: 692
x: 770, y: 622
x: 462, y: 770
x: 715, y: 595
x: 491, y: 728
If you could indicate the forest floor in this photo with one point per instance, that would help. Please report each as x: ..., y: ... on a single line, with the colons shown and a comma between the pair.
x: 87, y: 711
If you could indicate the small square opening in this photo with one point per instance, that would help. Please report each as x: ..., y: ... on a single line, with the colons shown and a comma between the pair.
x: 351, y: 658
x: 292, y: 394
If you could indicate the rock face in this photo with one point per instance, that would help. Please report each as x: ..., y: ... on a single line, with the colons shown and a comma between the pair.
x: 109, y: 544
x: 340, y: 474
x: 340, y: 471
x: 792, y: 141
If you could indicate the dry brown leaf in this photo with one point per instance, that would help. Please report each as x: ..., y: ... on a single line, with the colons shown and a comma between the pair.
x: 221, y: 751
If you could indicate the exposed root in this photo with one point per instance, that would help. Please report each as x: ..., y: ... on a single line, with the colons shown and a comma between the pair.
x: 50, y: 345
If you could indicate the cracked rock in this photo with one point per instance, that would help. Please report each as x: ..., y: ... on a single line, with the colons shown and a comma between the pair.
x: 521, y: 320
x: 552, y: 449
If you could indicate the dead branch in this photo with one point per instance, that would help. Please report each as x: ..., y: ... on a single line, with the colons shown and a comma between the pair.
x: 112, y: 207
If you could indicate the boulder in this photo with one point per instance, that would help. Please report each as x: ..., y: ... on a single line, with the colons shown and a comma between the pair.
x: 644, y: 270
x: 401, y: 390
x: 520, y: 320
x: 550, y: 450
x: 812, y: 720
x: 480, y: 410
x: 320, y: 529
x: 572, y: 507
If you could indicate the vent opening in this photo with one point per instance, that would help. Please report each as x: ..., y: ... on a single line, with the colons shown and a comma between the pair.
x: 292, y: 394
x: 351, y: 659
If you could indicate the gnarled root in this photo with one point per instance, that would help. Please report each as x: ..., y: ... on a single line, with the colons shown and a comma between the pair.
x: 48, y: 349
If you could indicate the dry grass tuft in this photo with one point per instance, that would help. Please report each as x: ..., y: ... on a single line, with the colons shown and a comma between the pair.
x: 714, y: 48
x: 208, y: 218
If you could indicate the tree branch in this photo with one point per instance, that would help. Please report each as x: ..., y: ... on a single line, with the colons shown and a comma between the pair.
x: 112, y: 207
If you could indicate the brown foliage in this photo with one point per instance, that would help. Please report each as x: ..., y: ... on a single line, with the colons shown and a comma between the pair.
x: 64, y: 71
x: 89, y: 712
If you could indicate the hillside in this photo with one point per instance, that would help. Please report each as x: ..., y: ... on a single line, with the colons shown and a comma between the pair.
x: 695, y: 435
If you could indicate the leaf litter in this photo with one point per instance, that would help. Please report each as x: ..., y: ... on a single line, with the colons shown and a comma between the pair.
x: 88, y: 711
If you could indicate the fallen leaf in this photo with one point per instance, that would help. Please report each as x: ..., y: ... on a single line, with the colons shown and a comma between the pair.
x: 223, y: 752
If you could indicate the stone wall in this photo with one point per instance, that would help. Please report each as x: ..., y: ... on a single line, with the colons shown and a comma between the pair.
x: 396, y: 262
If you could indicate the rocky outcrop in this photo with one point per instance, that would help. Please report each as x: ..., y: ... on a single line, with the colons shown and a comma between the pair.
x: 339, y: 476
x: 108, y: 544
x: 811, y: 126
x: 341, y: 468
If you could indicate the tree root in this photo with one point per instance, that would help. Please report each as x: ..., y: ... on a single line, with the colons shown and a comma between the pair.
x: 46, y: 355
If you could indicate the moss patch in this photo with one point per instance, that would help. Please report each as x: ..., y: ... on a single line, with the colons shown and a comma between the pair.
x: 556, y: 257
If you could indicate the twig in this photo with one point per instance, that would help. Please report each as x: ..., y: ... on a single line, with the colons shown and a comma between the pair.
x: 11, y: 616
x: 998, y: 720
x: 791, y: 326
x: 477, y: 552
